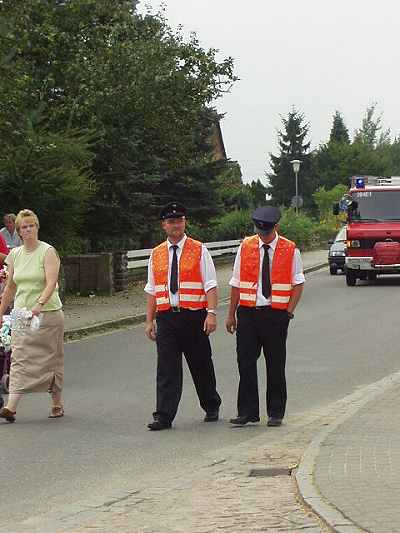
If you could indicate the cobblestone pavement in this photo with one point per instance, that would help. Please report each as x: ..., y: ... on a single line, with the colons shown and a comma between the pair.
x: 218, y: 496
x: 358, y: 465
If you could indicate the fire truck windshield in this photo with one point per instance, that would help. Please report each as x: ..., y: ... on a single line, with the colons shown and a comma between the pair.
x: 375, y: 205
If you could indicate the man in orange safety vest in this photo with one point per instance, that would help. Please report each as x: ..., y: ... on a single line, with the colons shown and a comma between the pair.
x: 181, y: 314
x: 266, y: 285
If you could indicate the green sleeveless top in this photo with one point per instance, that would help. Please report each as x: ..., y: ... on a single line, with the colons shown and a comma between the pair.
x: 30, y: 279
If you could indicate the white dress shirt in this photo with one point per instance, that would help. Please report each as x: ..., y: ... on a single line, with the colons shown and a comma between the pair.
x: 297, y: 269
x: 207, y: 269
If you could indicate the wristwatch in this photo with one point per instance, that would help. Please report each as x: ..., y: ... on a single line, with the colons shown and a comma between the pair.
x: 212, y: 311
x: 290, y: 315
x: 40, y: 302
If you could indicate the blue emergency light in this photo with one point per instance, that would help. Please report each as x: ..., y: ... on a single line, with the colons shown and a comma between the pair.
x: 360, y: 183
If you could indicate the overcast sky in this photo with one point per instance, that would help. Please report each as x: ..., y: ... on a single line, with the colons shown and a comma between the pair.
x: 316, y: 55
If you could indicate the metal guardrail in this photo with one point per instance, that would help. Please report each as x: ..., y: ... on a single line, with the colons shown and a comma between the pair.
x: 140, y: 258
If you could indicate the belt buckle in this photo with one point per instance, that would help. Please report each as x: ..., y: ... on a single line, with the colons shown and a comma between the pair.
x: 175, y: 309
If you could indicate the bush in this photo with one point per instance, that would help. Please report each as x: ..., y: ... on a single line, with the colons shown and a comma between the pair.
x: 298, y: 228
x: 233, y: 225
x: 327, y: 229
x: 116, y: 244
x: 200, y: 233
x: 74, y: 246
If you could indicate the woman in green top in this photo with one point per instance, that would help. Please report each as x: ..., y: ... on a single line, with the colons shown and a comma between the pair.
x: 37, y: 354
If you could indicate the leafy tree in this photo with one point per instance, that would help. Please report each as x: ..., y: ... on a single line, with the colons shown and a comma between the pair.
x: 142, y: 90
x: 292, y: 145
x: 42, y: 168
x: 325, y: 199
x: 339, y: 132
x: 48, y: 172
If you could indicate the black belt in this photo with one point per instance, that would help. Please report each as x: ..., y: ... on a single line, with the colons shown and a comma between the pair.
x: 256, y: 307
x: 177, y: 309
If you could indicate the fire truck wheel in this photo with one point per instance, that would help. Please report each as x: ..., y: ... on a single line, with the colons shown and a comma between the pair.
x: 350, y: 278
x: 333, y: 270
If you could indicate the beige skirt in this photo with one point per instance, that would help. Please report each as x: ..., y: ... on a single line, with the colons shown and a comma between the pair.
x: 37, y: 357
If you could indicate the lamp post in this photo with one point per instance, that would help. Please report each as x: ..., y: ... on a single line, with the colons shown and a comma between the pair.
x: 296, y: 167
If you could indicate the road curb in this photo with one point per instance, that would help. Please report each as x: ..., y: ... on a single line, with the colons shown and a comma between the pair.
x: 109, y: 325
x: 102, y: 327
x: 307, y: 487
x: 316, y: 267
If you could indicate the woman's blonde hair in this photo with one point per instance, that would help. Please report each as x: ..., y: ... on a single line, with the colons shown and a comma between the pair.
x: 24, y: 213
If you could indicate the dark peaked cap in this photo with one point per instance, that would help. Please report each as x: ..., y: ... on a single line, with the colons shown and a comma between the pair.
x: 266, y: 217
x: 173, y: 210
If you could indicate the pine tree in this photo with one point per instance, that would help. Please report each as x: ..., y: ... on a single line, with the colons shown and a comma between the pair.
x: 339, y: 132
x: 293, y: 145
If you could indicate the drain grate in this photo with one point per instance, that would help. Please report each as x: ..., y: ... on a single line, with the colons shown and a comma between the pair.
x: 270, y: 472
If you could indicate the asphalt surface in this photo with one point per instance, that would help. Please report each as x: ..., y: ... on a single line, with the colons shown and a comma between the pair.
x: 341, y: 339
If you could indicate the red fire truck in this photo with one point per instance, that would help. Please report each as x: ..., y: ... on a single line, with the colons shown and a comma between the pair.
x: 373, y: 227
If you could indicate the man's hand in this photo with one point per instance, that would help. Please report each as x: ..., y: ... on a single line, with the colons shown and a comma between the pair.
x: 230, y: 324
x: 210, y: 323
x: 150, y: 330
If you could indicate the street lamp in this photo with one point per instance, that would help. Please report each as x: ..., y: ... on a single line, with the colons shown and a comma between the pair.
x: 296, y: 167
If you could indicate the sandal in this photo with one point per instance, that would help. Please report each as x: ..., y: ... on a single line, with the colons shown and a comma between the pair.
x: 57, y: 411
x: 7, y: 414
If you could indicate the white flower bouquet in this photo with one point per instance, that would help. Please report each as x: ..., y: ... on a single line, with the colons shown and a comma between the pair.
x: 5, y: 333
x: 22, y: 318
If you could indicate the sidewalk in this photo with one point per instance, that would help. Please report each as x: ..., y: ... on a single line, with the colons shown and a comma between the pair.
x: 350, y: 472
x: 84, y: 315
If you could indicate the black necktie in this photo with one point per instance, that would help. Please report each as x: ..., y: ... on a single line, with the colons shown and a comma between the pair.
x: 265, y: 277
x: 173, y: 286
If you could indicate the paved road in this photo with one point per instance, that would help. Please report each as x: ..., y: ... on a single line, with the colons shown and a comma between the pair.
x: 341, y: 339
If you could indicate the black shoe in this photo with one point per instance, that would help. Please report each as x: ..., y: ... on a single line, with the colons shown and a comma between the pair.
x: 158, y: 425
x: 242, y: 420
x: 211, y: 416
x: 274, y: 422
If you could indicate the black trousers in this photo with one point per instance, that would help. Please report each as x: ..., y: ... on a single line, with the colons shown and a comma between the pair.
x: 264, y: 328
x: 177, y: 334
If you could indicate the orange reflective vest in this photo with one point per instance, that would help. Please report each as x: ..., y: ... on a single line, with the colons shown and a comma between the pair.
x: 190, y: 286
x: 281, y: 272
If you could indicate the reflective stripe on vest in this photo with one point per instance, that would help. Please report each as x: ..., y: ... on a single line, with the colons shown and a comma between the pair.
x: 191, y: 289
x: 281, y: 272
